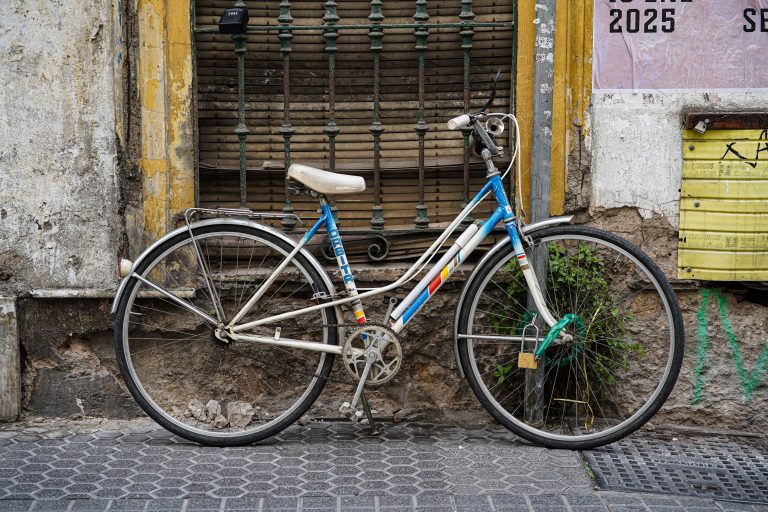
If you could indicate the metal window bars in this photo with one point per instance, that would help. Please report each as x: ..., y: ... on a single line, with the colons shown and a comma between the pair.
x: 333, y: 28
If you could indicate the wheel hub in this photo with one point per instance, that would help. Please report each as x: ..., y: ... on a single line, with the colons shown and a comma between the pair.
x: 222, y: 335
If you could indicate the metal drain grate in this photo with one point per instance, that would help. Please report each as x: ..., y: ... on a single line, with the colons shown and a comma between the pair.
x: 713, y: 467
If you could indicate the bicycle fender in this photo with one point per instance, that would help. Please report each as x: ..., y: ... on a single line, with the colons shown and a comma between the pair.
x: 501, y: 244
x: 271, y: 231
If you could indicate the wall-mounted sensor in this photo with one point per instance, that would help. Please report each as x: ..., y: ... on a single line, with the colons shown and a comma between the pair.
x: 701, y: 126
x: 234, y: 21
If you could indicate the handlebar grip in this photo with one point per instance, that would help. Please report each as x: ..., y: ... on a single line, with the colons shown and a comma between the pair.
x: 458, y: 122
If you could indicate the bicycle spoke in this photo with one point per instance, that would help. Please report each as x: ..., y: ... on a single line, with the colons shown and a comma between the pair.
x: 609, y: 374
x: 181, y: 369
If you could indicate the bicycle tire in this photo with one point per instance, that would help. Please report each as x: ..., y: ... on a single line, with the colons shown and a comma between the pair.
x: 173, y: 363
x: 621, y: 363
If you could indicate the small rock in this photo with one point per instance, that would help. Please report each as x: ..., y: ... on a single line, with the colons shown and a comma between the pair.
x: 213, y: 409
x: 220, y: 421
x: 239, y: 414
x: 304, y: 420
x: 406, y: 414
x: 197, y: 409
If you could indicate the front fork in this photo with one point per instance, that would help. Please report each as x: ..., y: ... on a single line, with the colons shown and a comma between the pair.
x: 517, y: 244
x: 528, y: 273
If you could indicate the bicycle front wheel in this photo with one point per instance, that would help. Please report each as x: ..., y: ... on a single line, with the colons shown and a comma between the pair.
x: 618, y: 362
x: 203, y: 386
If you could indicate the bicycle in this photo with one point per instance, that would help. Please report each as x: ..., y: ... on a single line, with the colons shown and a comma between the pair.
x: 226, y: 329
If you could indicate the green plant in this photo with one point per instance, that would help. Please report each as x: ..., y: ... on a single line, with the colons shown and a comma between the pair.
x: 600, y: 348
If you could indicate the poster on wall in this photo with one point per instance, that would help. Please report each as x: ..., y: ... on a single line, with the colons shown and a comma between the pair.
x: 681, y: 44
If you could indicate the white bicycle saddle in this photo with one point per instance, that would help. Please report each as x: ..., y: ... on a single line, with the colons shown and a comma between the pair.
x: 326, y: 182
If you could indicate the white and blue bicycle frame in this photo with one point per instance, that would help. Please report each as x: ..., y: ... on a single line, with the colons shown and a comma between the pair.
x: 428, y: 286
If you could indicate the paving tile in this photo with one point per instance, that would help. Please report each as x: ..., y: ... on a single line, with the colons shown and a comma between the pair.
x: 250, y: 503
x: 90, y: 505
x: 131, y: 505
x: 627, y: 508
x: 409, y: 466
x: 389, y: 501
x: 589, y: 508
x: 50, y: 506
x: 203, y: 504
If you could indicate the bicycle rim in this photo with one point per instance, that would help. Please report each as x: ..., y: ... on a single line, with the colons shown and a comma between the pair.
x: 222, y: 391
x: 624, y: 352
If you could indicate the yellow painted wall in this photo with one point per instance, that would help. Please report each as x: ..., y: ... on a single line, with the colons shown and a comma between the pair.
x: 724, y: 206
x: 167, y: 126
x: 572, y: 87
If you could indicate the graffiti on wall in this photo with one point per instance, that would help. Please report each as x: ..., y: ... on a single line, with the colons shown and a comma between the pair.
x: 762, y: 147
x: 749, y: 380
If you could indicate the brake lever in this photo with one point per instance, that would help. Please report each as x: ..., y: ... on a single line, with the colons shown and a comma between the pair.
x: 486, y: 139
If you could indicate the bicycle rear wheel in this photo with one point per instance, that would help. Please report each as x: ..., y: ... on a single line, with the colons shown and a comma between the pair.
x: 190, y: 381
x: 622, y: 359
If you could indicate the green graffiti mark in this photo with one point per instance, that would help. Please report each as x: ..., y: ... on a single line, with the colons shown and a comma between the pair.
x: 748, y: 381
x: 698, y: 383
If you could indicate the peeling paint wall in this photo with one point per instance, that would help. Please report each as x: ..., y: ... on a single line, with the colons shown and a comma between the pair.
x: 71, y: 129
x: 637, y: 157
x: 636, y: 146
x: 59, y: 223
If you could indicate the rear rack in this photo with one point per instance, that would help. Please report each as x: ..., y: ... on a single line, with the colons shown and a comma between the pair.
x: 237, y: 212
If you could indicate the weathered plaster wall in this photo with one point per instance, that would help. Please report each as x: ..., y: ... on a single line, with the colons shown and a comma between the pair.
x: 60, y: 212
x: 637, y: 158
x: 635, y: 175
x: 58, y: 180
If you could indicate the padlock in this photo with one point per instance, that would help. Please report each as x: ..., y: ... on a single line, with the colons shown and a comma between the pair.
x: 527, y: 360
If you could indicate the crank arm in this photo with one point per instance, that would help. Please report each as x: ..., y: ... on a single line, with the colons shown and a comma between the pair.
x: 350, y: 410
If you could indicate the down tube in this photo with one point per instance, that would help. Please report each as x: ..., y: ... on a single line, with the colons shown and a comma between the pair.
x: 446, y: 272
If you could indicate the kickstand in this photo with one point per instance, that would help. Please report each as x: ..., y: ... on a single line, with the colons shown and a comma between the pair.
x: 369, y: 415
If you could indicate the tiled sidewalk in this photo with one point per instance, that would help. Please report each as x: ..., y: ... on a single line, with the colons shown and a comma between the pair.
x: 321, y: 467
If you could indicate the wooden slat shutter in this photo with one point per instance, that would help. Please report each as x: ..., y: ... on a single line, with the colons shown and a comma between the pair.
x: 217, y: 102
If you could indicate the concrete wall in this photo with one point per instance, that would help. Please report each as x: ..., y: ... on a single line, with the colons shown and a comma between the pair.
x: 58, y: 180
x: 637, y: 145
x: 636, y: 173
x: 62, y: 114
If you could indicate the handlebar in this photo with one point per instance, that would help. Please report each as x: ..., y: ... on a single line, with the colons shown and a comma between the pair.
x: 459, y: 122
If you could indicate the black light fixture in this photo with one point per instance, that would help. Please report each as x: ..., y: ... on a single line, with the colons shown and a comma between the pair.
x: 234, y: 21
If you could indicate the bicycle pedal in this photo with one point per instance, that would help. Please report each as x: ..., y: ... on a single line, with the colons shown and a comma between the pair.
x: 350, y: 412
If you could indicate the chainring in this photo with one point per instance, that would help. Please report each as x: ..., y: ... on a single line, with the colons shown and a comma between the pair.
x: 377, y: 338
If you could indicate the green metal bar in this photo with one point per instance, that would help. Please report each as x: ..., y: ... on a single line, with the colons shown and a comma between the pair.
x: 466, y: 34
x: 421, y: 32
x: 376, y: 35
x: 376, y: 28
x: 387, y: 26
x: 286, y: 130
x: 331, y: 129
x: 241, y: 130
x: 330, y: 35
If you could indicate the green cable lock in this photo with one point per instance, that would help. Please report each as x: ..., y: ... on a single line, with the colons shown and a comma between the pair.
x: 555, y: 332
